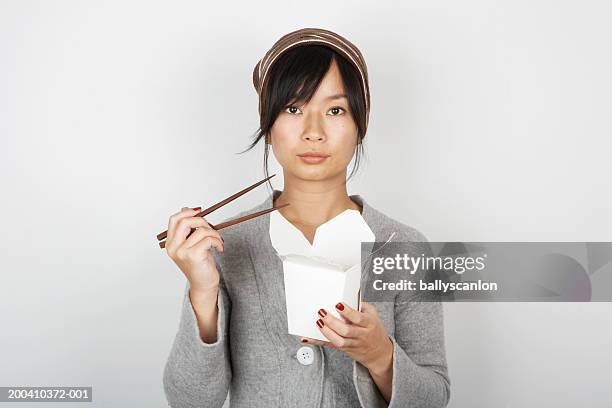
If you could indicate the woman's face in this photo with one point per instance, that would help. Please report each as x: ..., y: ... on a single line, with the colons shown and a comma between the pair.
x: 324, y: 125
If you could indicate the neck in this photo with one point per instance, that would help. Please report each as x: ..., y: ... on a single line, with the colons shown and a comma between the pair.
x: 314, y: 203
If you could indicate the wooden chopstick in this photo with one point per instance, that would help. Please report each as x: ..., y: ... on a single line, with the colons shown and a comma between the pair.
x: 234, y: 221
x: 163, y: 235
x: 245, y: 217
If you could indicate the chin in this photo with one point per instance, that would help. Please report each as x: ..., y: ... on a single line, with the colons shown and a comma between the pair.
x: 311, y: 174
x: 318, y: 174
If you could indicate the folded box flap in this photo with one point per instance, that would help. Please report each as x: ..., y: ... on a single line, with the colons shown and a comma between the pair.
x: 338, y: 240
x: 286, y: 238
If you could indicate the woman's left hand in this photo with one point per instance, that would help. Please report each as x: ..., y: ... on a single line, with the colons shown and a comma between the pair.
x: 362, y: 336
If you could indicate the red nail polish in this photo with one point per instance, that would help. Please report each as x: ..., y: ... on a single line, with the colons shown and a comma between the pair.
x: 320, y: 323
x: 304, y: 341
x: 322, y: 312
x: 340, y: 306
x: 197, y: 208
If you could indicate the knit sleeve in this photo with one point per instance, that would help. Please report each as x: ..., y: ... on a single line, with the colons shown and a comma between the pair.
x: 420, y: 374
x: 196, y: 373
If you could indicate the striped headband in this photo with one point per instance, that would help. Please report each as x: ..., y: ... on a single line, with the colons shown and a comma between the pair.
x: 310, y: 36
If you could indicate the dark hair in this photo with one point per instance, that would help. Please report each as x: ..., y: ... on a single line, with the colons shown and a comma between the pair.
x: 295, y: 76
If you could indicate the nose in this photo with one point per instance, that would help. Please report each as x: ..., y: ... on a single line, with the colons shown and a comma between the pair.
x: 313, y: 129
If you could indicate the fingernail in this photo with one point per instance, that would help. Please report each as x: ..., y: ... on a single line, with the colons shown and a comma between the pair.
x: 322, y: 312
x: 340, y: 306
x: 197, y: 208
x: 304, y: 341
x: 320, y: 323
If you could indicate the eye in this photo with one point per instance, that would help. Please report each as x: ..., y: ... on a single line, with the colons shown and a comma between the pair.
x: 292, y: 109
x: 336, y: 110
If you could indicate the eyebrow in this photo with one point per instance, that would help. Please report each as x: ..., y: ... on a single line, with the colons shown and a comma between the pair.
x: 330, y: 97
x: 337, y: 96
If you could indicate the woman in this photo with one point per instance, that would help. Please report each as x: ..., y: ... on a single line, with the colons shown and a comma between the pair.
x: 314, y: 107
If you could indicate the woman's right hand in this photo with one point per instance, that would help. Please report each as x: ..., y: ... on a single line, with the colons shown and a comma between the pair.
x: 192, y: 254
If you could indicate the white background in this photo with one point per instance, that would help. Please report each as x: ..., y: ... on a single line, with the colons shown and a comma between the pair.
x: 490, y: 121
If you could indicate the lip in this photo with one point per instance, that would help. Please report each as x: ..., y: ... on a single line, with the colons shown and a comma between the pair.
x: 313, y: 157
x: 313, y: 154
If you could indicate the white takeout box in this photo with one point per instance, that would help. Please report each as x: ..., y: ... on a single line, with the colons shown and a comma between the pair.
x: 322, y: 274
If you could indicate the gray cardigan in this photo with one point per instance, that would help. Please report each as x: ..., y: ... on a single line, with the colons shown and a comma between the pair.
x: 257, y: 361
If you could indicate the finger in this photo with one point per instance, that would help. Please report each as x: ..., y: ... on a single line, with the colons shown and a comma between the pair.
x: 344, y: 329
x: 199, y: 234
x: 316, y: 342
x: 183, y: 228
x: 176, y: 217
x: 334, y: 338
x: 352, y: 315
x: 198, y: 231
x: 206, y: 243
x: 369, y: 310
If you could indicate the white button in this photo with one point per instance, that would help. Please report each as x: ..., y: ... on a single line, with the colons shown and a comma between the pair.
x: 305, y: 355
